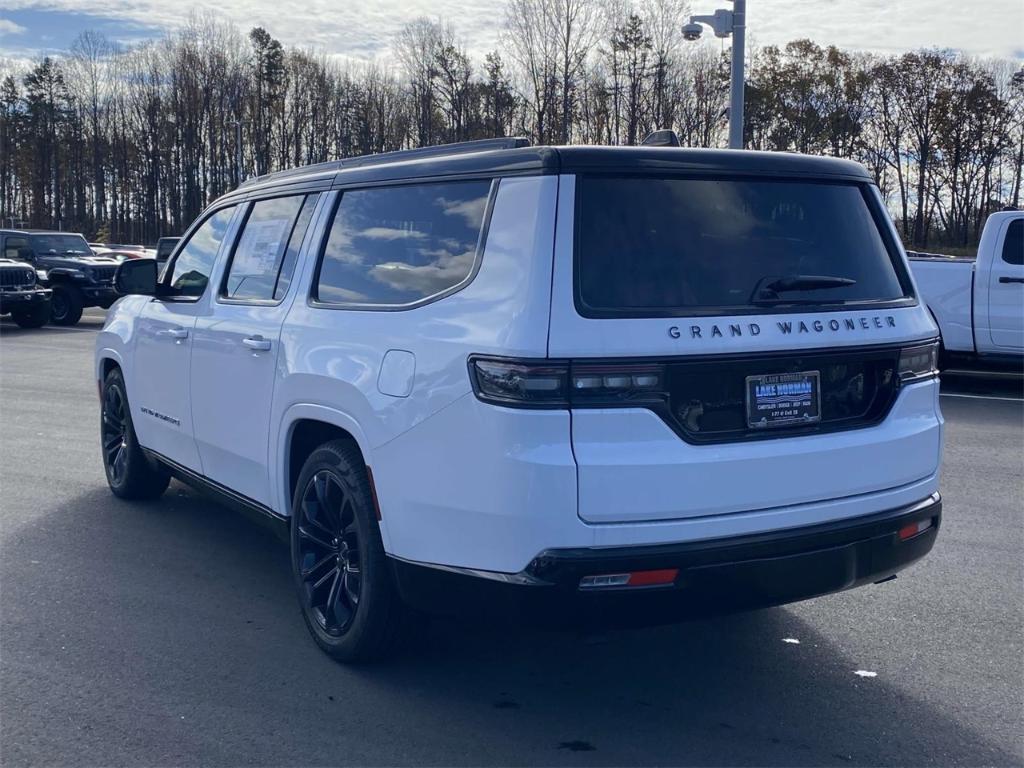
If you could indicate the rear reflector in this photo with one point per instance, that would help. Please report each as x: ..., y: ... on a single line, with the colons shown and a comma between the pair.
x: 652, y: 578
x: 911, y: 530
x: 659, y: 578
x: 373, y: 493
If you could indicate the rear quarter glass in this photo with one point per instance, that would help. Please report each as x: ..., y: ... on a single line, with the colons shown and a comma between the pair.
x: 650, y: 246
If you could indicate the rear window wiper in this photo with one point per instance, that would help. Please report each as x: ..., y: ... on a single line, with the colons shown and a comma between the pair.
x: 768, y: 289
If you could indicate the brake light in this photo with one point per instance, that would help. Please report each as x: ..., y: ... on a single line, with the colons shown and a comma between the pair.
x: 920, y: 362
x: 522, y: 384
x: 911, y: 530
x: 564, y: 383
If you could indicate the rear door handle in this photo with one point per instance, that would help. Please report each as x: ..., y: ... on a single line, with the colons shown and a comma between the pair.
x: 1007, y: 279
x: 174, y: 333
x: 257, y: 343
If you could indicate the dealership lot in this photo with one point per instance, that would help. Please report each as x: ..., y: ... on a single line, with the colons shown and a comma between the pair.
x: 167, y: 633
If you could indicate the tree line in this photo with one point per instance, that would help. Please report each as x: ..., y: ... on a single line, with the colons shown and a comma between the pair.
x: 129, y: 144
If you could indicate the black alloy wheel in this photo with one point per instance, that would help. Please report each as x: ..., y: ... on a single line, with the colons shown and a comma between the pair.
x: 329, y: 553
x: 66, y: 305
x: 130, y: 474
x: 345, y: 584
x: 60, y: 306
x: 114, y: 434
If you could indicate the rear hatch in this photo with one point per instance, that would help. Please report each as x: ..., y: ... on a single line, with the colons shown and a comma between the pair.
x: 764, y: 319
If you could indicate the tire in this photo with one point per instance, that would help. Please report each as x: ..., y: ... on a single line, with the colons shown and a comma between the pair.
x: 344, y: 583
x: 130, y: 474
x: 36, y: 317
x: 66, y: 305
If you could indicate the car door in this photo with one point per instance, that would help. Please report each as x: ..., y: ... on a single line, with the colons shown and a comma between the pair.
x: 159, y: 385
x: 235, y: 348
x: 1006, y: 289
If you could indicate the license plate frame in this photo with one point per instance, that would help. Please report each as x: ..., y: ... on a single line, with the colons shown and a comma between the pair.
x: 783, y: 399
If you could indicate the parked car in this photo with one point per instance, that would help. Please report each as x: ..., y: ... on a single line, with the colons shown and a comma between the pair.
x: 64, y: 263
x: 556, y: 383
x: 132, y: 251
x: 164, y: 248
x: 21, y: 297
x: 978, y: 303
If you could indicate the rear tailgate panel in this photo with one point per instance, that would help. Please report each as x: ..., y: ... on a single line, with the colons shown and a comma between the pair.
x: 636, y: 465
x: 632, y: 468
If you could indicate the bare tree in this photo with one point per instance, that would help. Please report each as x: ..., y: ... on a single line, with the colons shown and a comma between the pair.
x: 132, y: 144
x: 532, y: 45
x: 89, y: 70
x: 416, y: 49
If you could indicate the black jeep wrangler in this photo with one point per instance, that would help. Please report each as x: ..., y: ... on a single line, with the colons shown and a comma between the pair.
x: 66, y: 264
x: 21, y: 297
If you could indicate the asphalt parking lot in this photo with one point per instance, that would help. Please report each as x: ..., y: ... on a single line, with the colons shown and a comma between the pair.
x: 167, y: 633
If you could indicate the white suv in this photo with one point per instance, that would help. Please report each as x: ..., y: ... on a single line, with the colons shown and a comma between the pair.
x: 572, y: 382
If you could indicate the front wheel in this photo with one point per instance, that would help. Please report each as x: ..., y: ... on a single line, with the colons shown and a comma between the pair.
x: 66, y: 305
x: 345, y: 588
x: 129, y: 473
x: 36, y: 317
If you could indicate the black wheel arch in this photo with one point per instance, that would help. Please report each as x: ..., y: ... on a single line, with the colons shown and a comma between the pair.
x: 59, y: 276
x: 306, y: 435
x: 107, y: 364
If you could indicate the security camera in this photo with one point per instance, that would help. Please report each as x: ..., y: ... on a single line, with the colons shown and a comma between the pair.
x: 692, y: 31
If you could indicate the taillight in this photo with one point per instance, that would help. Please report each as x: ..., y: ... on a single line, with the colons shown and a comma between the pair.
x: 519, y: 383
x: 565, y: 383
x: 614, y: 382
x: 919, y: 362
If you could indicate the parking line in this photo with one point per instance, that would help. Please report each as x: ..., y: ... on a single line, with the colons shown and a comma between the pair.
x: 982, y: 374
x: 981, y: 397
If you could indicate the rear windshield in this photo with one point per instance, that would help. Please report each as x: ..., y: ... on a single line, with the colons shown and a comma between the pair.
x: 648, y: 247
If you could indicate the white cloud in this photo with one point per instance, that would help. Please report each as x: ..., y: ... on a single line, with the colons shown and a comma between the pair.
x: 390, y: 233
x: 445, y: 271
x: 365, y: 29
x: 471, y: 210
x: 8, y: 27
x: 992, y: 28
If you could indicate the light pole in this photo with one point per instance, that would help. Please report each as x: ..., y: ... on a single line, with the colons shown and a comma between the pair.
x: 725, y: 23
x: 238, y: 148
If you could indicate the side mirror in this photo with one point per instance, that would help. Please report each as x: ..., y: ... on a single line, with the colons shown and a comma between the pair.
x: 136, y: 276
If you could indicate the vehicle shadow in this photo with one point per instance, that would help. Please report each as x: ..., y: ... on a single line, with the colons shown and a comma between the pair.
x: 88, y: 324
x: 167, y: 633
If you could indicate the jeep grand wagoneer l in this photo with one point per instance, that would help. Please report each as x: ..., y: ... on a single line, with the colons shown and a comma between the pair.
x: 587, y: 379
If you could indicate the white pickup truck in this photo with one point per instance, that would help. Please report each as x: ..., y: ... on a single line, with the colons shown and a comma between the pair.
x: 978, y: 303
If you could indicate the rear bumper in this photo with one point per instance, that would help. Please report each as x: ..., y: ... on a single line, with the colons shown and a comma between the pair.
x: 715, y: 576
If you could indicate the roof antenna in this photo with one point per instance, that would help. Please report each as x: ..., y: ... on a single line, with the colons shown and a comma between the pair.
x: 663, y: 138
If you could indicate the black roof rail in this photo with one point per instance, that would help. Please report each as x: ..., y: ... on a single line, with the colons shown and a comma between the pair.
x: 440, y: 150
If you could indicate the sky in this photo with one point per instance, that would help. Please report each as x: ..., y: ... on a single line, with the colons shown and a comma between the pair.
x: 364, y: 29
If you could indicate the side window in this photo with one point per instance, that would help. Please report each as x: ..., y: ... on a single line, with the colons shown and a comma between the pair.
x: 259, y: 256
x: 1013, y: 245
x: 191, y: 269
x: 394, y: 246
x: 15, y: 247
